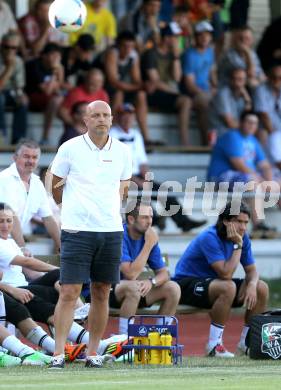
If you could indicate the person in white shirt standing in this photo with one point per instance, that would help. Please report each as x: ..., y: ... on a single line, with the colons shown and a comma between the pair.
x: 24, y: 192
x: 90, y: 173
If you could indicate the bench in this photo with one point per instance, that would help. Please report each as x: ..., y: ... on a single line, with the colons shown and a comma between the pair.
x: 113, y: 312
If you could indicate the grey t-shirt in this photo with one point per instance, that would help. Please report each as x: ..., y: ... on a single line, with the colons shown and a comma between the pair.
x: 225, y: 102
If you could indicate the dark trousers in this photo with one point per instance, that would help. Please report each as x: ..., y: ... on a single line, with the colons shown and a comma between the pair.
x: 19, y: 124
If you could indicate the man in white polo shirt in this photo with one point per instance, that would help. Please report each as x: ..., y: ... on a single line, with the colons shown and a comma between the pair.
x: 24, y: 192
x: 88, y: 173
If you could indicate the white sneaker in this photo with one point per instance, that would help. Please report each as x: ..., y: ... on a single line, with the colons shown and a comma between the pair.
x: 219, y: 351
x: 241, y: 350
x: 81, y: 313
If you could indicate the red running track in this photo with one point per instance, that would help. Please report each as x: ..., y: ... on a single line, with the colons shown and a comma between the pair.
x: 194, y: 331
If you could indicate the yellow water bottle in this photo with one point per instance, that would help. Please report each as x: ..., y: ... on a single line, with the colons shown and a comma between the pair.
x: 154, y: 355
x: 166, y: 354
x: 139, y: 355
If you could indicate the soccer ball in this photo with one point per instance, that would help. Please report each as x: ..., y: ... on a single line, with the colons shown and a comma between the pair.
x: 67, y: 15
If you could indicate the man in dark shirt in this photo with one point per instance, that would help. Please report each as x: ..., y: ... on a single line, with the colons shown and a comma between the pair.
x: 44, y: 80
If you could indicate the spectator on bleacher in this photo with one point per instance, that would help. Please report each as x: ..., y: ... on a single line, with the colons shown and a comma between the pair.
x: 241, y: 55
x: 44, y: 82
x: 12, y: 83
x: 162, y: 73
x: 205, y: 273
x: 229, y: 102
x: 140, y: 248
x: 269, y: 47
x: 267, y: 102
x: 199, y: 74
x: 125, y: 132
x: 77, y: 127
x: 7, y: 19
x: 238, y: 157
x: 37, y: 31
x: 25, y: 193
x: 123, y: 78
x: 143, y: 22
x: 78, y: 59
x: 181, y: 18
x: 100, y: 23
x: 92, y: 89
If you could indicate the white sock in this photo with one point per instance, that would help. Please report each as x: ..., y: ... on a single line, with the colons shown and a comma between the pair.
x: 39, y: 337
x: 12, y: 344
x: 2, y: 310
x: 244, y: 332
x: 123, y: 325
x: 78, y: 334
x: 215, y: 335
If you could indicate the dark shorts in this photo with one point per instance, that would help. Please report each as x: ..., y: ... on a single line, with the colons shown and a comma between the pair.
x: 49, y: 279
x: 165, y: 101
x: 90, y: 255
x: 40, y: 308
x: 195, y: 292
x: 115, y: 304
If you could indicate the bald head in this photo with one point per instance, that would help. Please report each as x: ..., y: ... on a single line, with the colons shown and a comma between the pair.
x: 97, y: 105
x: 98, y: 118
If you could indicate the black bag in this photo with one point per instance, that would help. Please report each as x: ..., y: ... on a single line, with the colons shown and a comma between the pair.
x: 265, y: 335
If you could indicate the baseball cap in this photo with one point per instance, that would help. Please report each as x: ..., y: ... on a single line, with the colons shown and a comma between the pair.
x: 126, y: 107
x: 86, y: 42
x: 203, y: 26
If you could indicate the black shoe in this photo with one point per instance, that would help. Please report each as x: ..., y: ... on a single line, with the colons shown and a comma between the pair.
x: 191, y: 224
x: 159, y: 221
x: 262, y: 231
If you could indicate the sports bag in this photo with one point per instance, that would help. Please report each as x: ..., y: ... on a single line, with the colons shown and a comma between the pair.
x: 264, y: 339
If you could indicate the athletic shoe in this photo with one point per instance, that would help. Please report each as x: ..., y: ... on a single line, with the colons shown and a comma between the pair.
x: 72, y: 351
x: 9, y: 361
x: 81, y: 314
x: 116, y: 349
x: 97, y: 361
x: 106, y: 343
x: 219, y: 351
x: 242, y: 350
x: 36, y: 359
x: 57, y: 362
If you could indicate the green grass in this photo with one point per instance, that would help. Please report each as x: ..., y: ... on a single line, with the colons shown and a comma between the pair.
x: 275, y: 292
x: 195, y: 373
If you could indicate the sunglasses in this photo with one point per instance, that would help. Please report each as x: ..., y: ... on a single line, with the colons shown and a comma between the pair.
x: 9, y: 47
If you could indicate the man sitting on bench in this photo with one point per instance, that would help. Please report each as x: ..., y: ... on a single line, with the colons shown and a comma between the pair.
x: 205, y: 274
x: 140, y: 248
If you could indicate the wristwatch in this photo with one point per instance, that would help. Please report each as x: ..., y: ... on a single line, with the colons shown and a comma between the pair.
x: 153, y: 282
x: 237, y: 246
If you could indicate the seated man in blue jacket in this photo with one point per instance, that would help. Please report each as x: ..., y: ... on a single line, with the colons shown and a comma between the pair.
x: 205, y: 273
x: 140, y: 249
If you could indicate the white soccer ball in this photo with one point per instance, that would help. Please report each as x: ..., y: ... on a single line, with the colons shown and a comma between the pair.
x: 67, y: 15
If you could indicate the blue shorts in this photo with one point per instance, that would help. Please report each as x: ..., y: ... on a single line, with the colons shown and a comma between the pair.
x: 232, y: 177
x: 91, y: 256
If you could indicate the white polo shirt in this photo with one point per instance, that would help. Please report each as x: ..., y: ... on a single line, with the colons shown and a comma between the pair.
x: 91, y: 200
x: 12, y: 274
x: 25, y: 204
x: 134, y: 140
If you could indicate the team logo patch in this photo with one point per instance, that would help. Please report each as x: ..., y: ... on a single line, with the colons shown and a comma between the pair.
x: 271, y: 339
